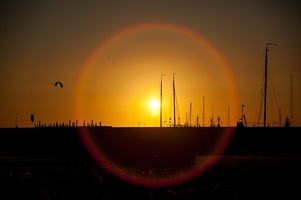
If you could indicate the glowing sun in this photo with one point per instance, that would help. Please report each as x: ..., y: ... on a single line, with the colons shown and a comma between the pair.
x: 154, y: 105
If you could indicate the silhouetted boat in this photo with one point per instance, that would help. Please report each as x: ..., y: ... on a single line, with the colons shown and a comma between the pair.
x: 243, y: 122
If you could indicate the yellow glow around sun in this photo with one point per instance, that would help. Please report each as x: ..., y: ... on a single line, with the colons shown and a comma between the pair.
x: 154, y: 105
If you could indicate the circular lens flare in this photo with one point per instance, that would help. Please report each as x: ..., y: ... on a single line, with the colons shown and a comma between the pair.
x: 148, y: 156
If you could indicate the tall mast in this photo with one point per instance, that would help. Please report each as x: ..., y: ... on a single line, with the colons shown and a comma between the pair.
x: 203, y: 111
x: 190, y: 114
x: 279, y: 117
x: 161, y: 101
x: 174, y: 100
x: 212, y: 116
x: 265, y: 83
x: 292, y: 100
x: 228, y: 122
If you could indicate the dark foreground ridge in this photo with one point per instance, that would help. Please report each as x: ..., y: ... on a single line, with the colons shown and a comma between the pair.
x: 66, y: 143
x: 53, y: 163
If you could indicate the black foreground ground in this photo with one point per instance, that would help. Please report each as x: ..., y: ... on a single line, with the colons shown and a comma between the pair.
x: 58, y: 180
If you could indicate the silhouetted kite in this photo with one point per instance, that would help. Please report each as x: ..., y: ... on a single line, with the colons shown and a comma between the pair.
x: 59, y: 83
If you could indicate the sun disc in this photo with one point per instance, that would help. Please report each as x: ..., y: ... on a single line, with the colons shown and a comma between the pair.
x: 154, y: 104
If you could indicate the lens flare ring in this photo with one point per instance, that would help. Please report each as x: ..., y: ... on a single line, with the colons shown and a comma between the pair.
x: 95, y: 147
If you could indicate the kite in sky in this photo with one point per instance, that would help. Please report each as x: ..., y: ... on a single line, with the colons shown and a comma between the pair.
x: 58, y: 83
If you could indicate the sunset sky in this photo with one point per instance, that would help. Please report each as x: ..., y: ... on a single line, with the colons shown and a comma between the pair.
x: 110, y: 57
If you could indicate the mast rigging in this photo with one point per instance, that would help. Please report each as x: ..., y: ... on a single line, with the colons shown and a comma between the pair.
x: 174, y: 100
x: 161, y: 101
x: 265, y: 82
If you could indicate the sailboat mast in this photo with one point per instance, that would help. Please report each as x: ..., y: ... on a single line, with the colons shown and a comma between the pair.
x: 203, y: 111
x: 265, y: 83
x: 212, y: 117
x: 292, y: 116
x: 228, y: 122
x: 279, y: 117
x: 190, y: 114
x: 161, y: 101
x: 174, y: 100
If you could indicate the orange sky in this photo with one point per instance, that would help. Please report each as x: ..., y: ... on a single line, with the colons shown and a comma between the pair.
x: 110, y: 57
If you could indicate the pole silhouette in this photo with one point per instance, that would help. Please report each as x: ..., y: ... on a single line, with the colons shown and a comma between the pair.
x: 174, y: 100
x: 161, y: 101
x: 265, y: 83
